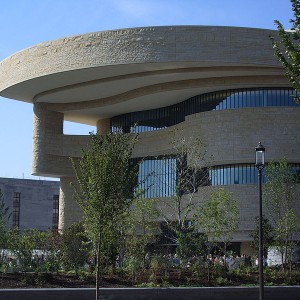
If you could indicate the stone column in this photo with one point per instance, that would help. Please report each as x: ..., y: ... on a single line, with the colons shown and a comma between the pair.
x: 47, y: 130
x: 103, y: 126
x: 69, y: 210
x: 46, y: 126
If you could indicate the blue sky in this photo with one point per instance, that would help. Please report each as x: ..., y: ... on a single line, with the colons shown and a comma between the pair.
x: 24, y: 23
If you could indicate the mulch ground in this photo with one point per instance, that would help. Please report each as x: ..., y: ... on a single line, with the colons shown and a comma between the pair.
x: 44, y: 280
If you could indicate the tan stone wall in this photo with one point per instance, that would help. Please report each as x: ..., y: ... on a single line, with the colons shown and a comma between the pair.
x: 247, y: 197
x: 103, y: 126
x: 232, y: 135
x: 51, y: 148
x: 132, y: 67
x: 69, y: 211
x: 46, y: 126
x: 140, y: 45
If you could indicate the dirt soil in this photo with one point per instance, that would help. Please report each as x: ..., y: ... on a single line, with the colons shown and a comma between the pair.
x: 44, y: 280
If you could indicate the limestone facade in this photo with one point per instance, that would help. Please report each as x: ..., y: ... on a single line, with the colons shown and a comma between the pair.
x: 94, y: 77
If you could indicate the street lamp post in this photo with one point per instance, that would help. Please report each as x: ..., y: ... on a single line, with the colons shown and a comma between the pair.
x: 260, y: 164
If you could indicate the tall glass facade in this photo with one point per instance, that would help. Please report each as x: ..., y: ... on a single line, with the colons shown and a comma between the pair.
x: 239, y: 174
x: 157, y: 177
x: 161, y: 176
x: 163, y: 117
x: 233, y: 174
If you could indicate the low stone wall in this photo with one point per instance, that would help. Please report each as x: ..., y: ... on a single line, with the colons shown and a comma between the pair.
x: 205, y: 293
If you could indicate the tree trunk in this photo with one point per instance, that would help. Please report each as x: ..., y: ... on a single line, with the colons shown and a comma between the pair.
x: 286, y: 256
x: 225, y: 253
x: 282, y: 259
x: 98, y: 270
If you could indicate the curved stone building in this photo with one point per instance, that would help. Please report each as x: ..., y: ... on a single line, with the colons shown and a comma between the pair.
x: 222, y: 84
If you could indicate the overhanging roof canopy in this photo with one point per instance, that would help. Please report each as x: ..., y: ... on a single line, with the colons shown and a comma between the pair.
x: 108, y: 73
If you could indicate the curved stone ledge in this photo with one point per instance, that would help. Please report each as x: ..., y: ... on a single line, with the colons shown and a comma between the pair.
x: 225, y: 133
x: 138, y: 45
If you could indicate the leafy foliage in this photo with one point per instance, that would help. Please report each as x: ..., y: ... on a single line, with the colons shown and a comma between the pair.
x: 53, y: 246
x: 3, y: 220
x: 288, y: 48
x: 74, y: 246
x: 22, y: 246
x: 3, y: 229
x: 104, y: 176
x: 140, y: 227
x: 190, y: 174
x: 281, y: 201
x: 190, y: 242
x: 268, y: 235
x: 218, y: 217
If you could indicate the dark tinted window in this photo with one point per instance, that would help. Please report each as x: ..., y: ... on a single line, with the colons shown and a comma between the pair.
x: 159, y: 118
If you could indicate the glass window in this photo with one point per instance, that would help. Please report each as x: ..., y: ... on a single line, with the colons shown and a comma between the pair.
x: 55, y: 213
x: 296, y: 171
x: 16, y: 209
x: 157, y: 177
x: 240, y: 174
x: 156, y: 119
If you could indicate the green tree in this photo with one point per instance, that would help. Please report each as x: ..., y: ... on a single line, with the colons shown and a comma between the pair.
x: 104, y: 177
x: 39, y: 240
x: 281, y: 200
x: 188, y: 175
x: 35, y: 250
x: 22, y: 245
x: 3, y: 230
x: 53, y: 247
x: 190, y: 242
x: 74, y: 246
x: 287, y: 48
x: 141, y: 227
x: 285, y: 236
x: 218, y: 218
x: 268, y: 232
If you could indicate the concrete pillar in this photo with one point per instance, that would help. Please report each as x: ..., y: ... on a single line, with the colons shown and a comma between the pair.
x: 46, y: 126
x: 103, y: 126
x: 69, y: 210
x: 47, y: 129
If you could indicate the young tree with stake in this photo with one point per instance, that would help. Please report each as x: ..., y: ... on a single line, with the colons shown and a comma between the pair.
x: 103, y: 177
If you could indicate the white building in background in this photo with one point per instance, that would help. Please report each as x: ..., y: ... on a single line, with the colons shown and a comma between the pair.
x: 32, y: 204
